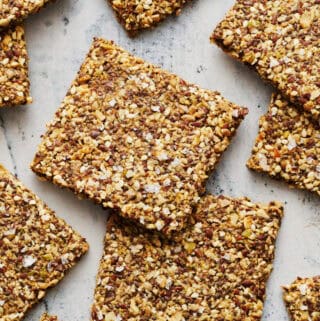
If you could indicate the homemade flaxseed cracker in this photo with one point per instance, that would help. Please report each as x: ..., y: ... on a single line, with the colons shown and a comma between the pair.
x: 133, y: 137
x: 216, y: 269
x: 36, y: 248
x: 280, y: 39
x: 15, y: 11
x: 47, y: 317
x: 136, y: 15
x: 288, y: 146
x: 302, y: 299
x: 14, y: 80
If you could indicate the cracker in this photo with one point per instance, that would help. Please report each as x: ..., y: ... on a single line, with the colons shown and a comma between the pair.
x: 216, y: 269
x: 302, y: 299
x: 15, y: 11
x: 288, y: 146
x: 36, y: 248
x: 136, y: 15
x: 133, y: 137
x: 47, y: 317
x: 282, y: 45
x: 14, y: 80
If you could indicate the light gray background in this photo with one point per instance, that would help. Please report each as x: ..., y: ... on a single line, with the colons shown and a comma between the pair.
x: 58, y: 39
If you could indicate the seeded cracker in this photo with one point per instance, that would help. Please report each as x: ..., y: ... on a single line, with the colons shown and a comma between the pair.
x: 216, y: 269
x: 136, y: 15
x: 36, y: 248
x: 288, y: 146
x: 133, y: 137
x: 14, y: 80
x: 302, y: 299
x: 280, y: 39
x: 17, y: 10
x: 47, y: 317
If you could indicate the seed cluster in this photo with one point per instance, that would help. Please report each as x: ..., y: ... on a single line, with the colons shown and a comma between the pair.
x: 216, y: 269
x: 133, y: 137
x: 280, y: 39
x: 17, y: 10
x: 302, y: 299
x: 47, y: 317
x: 288, y: 146
x: 36, y: 248
x: 135, y: 15
x: 14, y: 81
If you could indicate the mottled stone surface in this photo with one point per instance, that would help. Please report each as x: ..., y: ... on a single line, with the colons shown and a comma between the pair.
x: 58, y: 39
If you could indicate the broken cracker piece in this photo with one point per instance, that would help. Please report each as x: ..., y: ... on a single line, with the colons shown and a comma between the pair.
x: 280, y: 40
x: 36, y: 248
x: 14, y: 80
x: 47, y: 317
x: 136, y: 15
x: 134, y: 137
x: 216, y: 269
x: 15, y: 11
x: 302, y: 299
x: 288, y: 146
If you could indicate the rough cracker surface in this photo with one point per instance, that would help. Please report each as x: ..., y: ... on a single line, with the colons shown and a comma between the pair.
x: 12, y: 11
x: 133, y: 137
x: 136, y: 15
x: 36, y: 248
x: 302, y: 299
x: 216, y: 269
x: 47, y: 317
x: 280, y: 39
x: 14, y: 80
x: 288, y: 146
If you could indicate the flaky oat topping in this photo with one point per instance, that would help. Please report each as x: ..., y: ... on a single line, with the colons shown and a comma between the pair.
x: 216, y: 269
x: 288, y: 146
x: 47, y: 317
x: 14, y: 80
x: 12, y: 11
x: 36, y: 248
x: 135, y: 15
x: 133, y: 137
x: 280, y: 39
x: 302, y: 299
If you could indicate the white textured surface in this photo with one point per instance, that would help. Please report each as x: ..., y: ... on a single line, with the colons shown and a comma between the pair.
x: 58, y: 39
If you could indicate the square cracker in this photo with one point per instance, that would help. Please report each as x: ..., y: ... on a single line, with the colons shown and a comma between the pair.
x: 14, y: 80
x: 137, y: 15
x: 302, y: 299
x: 280, y: 40
x: 216, y: 269
x: 13, y: 11
x: 134, y: 137
x: 47, y: 317
x: 288, y: 146
x: 36, y: 248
